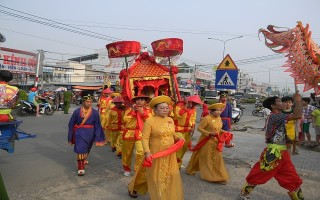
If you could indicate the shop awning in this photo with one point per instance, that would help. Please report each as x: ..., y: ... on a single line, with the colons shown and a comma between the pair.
x: 87, y: 87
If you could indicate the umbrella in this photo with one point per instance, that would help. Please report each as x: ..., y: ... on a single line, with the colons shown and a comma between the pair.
x: 76, y: 90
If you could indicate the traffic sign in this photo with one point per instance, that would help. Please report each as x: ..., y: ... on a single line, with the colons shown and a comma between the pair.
x: 227, y: 64
x: 226, y: 79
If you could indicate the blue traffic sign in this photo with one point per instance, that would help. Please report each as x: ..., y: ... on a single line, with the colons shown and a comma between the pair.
x: 226, y: 79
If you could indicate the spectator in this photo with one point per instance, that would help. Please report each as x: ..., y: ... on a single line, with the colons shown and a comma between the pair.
x: 307, y: 118
x: 316, y: 124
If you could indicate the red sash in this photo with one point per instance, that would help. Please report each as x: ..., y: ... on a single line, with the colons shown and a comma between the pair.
x: 174, y: 148
x: 82, y: 125
x: 225, y: 137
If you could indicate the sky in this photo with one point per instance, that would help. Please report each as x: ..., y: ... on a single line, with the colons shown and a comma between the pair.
x: 146, y: 21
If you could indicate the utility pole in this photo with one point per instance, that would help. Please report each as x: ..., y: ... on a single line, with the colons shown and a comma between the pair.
x: 194, y: 78
x: 39, y: 69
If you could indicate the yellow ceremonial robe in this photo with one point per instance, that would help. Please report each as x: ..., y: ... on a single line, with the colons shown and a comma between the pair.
x: 208, y: 160
x: 163, y: 178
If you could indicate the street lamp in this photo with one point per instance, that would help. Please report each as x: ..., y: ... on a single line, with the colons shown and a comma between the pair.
x: 224, y: 42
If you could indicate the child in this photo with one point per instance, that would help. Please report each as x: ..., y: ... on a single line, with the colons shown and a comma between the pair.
x: 290, y: 125
x: 316, y: 124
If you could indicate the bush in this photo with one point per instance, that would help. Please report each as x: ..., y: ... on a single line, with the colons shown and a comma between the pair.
x: 248, y: 100
x: 212, y: 101
x: 23, y: 95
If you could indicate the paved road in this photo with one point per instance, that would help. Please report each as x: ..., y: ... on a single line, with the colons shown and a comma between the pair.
x: 45, y: 167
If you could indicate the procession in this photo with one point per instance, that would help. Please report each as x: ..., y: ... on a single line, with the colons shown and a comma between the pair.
x: 148, y: 132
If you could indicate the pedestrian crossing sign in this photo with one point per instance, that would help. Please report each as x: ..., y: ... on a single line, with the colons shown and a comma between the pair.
x: 227, y: 64
x: 226, y: 79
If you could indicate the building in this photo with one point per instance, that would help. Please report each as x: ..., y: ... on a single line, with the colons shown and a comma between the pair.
x: 193, y: 80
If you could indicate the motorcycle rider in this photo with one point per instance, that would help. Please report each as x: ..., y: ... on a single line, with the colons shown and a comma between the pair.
x: 32, y: 96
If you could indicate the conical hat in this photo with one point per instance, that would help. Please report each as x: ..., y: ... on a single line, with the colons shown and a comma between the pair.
x: 195, y: 99
x: 107, y: 91
x: 118, y: 99
x: 147, y: 98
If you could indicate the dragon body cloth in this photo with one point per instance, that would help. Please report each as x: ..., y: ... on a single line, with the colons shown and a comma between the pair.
x: 302, y: 52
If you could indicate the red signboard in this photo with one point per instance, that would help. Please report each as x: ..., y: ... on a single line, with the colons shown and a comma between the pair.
x: 198, y: 82
x: 17, y: 61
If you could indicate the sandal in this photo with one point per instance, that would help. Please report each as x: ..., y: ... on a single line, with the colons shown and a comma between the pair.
x: 133, y: 194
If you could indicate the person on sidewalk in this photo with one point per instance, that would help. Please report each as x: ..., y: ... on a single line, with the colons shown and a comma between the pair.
x: 307, y: 118
x: 159, y: 174
x: 226, y: 114
x: 32, y: 98
x: 85, y: 129
x: 185, y: 120
x: 316, y: 124
x: 290, y: 125
x: 275, y: 160
x: 67, y: 95
x: 133, y: 119
x: 114, y: 124
x: 207, y: 154
x: 8, y: 96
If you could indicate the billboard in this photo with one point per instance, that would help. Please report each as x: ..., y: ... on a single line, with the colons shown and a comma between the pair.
x: 18, y: 61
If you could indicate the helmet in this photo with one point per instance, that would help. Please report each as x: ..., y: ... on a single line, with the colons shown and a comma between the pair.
x: 33, y: 89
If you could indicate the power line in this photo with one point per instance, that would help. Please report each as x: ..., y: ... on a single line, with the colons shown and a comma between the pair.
x: 39, y: 37
x: 99, y: 36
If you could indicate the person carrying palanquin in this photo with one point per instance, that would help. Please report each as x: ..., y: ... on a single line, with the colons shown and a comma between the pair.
x: 114, y: 124
x: 185, y: 120
x: 133, y: 119
x: 103, y: 104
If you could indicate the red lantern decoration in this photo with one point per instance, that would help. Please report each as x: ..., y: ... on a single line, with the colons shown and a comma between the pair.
x: 123, y: 49
x: 167, y: 47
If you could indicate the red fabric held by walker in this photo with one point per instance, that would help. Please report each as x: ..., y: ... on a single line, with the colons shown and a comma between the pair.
x: 174, y: 148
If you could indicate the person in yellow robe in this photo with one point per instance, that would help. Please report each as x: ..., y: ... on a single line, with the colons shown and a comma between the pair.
x: 184, y: 120
x: 208, y: 159
x: 162, y: 179
x: 104, y: 105
x: 133, y: 120
x: 114, y: 124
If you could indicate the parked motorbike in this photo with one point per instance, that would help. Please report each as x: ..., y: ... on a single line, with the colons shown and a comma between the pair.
x: 25, y: 108
x: 79, y: 100
x: 258, y: 112
x: 241, y: 108
x: 258, y: 104
x: 236, y: 114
